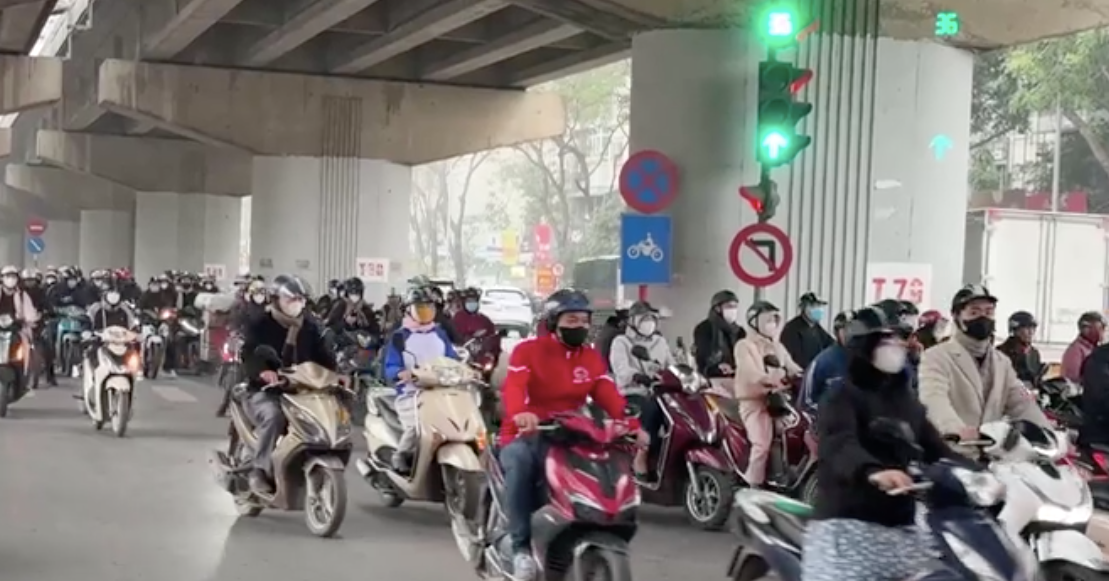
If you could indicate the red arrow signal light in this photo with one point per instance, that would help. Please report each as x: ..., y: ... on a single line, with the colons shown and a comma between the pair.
x: 800, y: 82
x: 753, y: 196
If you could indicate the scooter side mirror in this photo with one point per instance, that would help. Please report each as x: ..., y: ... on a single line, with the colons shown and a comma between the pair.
x: 503, y: 333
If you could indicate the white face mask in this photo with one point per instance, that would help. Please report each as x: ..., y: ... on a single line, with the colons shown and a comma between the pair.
x: 293, y: 309
x: 647, y: 327
x: 767, y: 324
x: 258, y: 298
x: 889, y: 358
x: 10, y: 281
x: 112, y: 298
x: 354, y: 298
x: 730, y: 314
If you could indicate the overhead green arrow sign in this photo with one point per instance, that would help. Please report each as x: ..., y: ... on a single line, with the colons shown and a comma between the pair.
x: 774, y: 144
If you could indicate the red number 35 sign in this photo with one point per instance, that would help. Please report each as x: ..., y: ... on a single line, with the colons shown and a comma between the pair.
x: 902, y: 281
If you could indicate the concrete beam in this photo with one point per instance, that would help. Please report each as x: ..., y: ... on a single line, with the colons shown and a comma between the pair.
x: 570, y: 64
x: 5, y: 142
x: 287, y: 114
x: 441, y: 17
x: 531, y: 37
x: 581, y: 15
x: 49, y: 207
x: 301, y: 28
x: 171, y: 25
x: 21, y: 22
x: 148, y: 164
x: 59, y: 186
x: 29, y: 82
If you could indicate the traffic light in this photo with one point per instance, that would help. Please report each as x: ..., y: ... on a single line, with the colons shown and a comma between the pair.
x: 763, y: 198
x: 777, y: 140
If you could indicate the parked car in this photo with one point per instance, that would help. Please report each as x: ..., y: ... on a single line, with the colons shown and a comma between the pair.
x: 509, y: 308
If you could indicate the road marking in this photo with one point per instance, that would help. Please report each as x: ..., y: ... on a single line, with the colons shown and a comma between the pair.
x: 173, y: 394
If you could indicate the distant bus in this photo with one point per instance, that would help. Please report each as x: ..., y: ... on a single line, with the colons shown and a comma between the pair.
x: 599, y: 277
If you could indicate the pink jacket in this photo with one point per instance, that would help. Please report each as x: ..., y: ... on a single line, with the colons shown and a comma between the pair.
x: 1074, y: 357
x: 25, y: 308
x: 751, y: 370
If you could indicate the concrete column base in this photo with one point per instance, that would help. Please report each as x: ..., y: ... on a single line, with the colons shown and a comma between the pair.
x: 107, y: 239
x: 315, y: 217
x: 190, y: 232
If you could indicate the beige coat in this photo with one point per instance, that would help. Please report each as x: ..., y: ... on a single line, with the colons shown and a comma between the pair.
x: 951, y: 388
x: 750, y: 370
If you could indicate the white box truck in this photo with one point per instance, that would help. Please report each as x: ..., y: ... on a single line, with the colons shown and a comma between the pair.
x: 1053, y: 265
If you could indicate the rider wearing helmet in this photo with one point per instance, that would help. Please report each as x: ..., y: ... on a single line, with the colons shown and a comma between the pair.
x: 324, y: 303
x: 932, y: 328
x: 954, y: 375
x: 763, y: 366
x: 803, y: 336
x: 350, y: 312
x: 424, y: 341
x: 1025, y: 357
x: 31, y: 283
x: 111, y: 311
x: 252, y: 306
x: 860, y: 532
x: 547, y: 376
x: 296, y: 339
x: 614, y: 326
x: 442, y: 316
x: 715, y: 338
x: 829, y: 368
x: 1091, y: 331
x: 634, y: 376
x: 470, y: 321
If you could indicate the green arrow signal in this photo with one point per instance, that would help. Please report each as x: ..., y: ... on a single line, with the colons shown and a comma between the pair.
x: 774, y: 144
x: 780, y: 24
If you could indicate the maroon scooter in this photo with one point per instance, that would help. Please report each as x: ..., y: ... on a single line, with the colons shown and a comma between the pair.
x: 692, y: 470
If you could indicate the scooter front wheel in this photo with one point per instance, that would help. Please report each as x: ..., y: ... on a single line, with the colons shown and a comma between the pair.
x: 121, y: 412
x: 601, y: 557
x: 325, y: 500
x: 708, y: 498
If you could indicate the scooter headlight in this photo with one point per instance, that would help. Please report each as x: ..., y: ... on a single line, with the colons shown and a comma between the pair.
x: 1067, y: 516
x: 6, y: 321
x: 982, y: 488
x: 117, y: 349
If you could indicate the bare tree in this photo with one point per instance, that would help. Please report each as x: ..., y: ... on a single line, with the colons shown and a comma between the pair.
x: 438, y: 208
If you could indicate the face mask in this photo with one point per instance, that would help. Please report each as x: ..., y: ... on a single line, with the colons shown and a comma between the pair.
x: 293, y: 309
x: 10, y: 281
x: 730, y: 315
x: 980, y: 328
x: 889, y: 359
x: 471, y: 306
x: 258, y: 298
x: 354, y: 298
x: 941, y: 331
x: 71, y: 283
x: 573, y: 337
x: 769, y: 329
x: 112, y: 297
x: 816, y: 314
x: 165, y: 286
x: 50, y: 281
x: 334, y: 293
x: 153, y: 288
x: 910, y: 321
x: 423, y: 314
x: 647, y: 327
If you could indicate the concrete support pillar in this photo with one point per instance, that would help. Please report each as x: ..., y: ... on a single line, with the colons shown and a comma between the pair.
x: 315, y: 217
x: 190, y: 232
x: 62, y: 238
x: 867, y: 190
x: 107, y: 239
x: 11, y: 247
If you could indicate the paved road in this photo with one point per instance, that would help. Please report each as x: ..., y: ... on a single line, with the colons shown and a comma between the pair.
x: 78, y: 504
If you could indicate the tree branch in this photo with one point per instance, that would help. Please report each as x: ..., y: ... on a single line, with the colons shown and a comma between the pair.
x: 1097, y: 147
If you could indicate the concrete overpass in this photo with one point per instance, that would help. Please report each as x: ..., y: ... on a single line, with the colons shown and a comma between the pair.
x: 318, y: 108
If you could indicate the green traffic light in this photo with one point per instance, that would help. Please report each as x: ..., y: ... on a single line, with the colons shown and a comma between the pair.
x: 780, y: 23
x: 775, y: 143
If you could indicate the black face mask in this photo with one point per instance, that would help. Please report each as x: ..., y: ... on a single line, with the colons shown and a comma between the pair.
x: 980, y: 328
x: 573, y: 336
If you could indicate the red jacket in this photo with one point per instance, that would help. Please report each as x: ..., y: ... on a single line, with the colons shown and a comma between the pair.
x: 545, y: 377
x: 467, y: 324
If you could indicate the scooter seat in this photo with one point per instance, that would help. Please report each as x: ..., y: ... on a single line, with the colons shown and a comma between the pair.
x: 730, y: 408
x: 388, y: 412
x: 1103, y: 448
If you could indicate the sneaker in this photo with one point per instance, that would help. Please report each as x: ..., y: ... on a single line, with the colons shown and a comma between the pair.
x: 523, y: 567
x: 170, y: 374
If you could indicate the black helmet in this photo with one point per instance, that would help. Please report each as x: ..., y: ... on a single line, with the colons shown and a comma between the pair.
x: 290, y: 286
x: 867, y: 327
x: 1090, y: 318
x: 565, y: 300
x: 810, y: 299
x: 354, y: 286
x: 758, y: 308
x: 909, y: 308
x: 970, y: 292
x: 334, y: 284
x: 641, y: 308
x: 724, y: 296
x: 419, y: 295
x: 843, y: 318
x: 892, y: 309
x: 1021, y: 320
x: 470, y: 293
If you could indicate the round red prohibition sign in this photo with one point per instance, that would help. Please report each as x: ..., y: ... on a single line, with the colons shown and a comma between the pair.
x: 649, y: 181
x: 765, y: 250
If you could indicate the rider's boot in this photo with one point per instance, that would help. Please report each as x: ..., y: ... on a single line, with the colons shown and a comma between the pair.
x: 260, y: 482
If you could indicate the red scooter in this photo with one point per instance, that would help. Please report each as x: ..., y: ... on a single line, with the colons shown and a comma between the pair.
x: 692, y: 470
x: 791, y: 468
x: 589, y: 518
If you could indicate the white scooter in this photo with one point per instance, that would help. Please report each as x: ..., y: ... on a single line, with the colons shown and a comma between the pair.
x: 1047, y: 502
x: 108, y: 385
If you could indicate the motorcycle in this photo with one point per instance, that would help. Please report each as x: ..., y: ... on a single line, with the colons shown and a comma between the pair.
x: 357, y: 360
x: 589, y: 519
x: 971, y: 543
x: 108, y: 387
x: 12, y: 356
x: 1048, y: 504
x: 791, y: 467
x: 692, y: 470
x: 188, y: 330
x: 473, y: 353
x: 230, y: 371
x: 309, y: 461
x: 451, y: 435
x: 72, y: 323
x: 155, y: 334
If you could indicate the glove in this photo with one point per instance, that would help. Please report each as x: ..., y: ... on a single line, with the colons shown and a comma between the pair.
x: 642, y: 379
